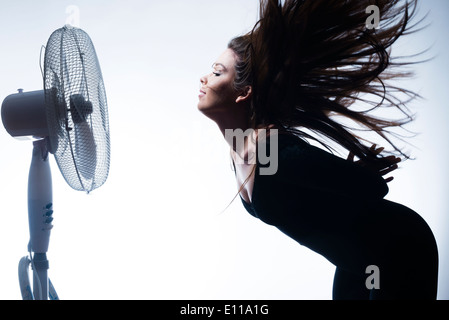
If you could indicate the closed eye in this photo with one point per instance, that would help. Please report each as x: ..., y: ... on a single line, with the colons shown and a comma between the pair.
x: 218, y: 69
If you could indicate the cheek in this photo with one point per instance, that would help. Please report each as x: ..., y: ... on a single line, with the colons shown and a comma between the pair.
x: 223, y: 91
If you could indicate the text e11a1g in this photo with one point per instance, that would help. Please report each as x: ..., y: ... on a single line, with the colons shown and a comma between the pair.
x: 227, y: 309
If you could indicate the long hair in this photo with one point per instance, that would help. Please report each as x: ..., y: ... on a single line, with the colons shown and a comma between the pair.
x: 312, y: 60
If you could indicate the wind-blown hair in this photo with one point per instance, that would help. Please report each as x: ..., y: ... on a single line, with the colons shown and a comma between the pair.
x: 311, y: 60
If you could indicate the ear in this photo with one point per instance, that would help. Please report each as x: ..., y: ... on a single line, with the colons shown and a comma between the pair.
x: 245, y: 94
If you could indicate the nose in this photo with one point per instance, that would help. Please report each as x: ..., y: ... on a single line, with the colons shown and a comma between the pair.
x: 203, y: 80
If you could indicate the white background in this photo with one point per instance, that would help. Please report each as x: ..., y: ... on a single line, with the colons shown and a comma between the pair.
x: 155, y: 229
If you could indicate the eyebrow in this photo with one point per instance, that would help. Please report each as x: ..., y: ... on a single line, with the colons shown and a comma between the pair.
x: 219, y: 64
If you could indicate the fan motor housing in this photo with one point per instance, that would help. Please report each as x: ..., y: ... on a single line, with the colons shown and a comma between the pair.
x: 24, y: 116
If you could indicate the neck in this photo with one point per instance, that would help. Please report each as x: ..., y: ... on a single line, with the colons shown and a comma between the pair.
x: 240, y: 138
x: 232, y: 125
x: 234, y: 128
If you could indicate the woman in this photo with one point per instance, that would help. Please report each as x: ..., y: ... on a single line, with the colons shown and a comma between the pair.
x: 305, y: 65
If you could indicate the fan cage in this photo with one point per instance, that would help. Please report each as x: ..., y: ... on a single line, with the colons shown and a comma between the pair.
x: 76, y: 108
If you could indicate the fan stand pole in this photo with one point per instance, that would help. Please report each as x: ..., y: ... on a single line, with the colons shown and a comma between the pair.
x: 40, y: 218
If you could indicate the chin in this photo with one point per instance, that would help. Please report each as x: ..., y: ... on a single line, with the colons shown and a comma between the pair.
x: 203, y: 107
x: 208, y: 112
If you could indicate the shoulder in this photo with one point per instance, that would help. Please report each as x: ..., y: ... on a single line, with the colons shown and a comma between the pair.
x: 292, y: 160
x: 281, y: 140
x: 285, y: 155
x: 284, y: 146
x: 279, y: 151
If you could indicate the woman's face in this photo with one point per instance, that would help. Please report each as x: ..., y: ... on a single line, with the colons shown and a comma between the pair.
x: 217, y: 93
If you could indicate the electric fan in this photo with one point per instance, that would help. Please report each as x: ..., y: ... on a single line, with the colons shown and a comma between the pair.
x: 68, y: 119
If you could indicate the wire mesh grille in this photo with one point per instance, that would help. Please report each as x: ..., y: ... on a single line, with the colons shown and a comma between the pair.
x: 76, y: 108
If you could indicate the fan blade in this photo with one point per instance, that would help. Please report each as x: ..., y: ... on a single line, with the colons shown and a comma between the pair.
x: 80, y: 108
x: 56, y: 114
x: 86, y: 151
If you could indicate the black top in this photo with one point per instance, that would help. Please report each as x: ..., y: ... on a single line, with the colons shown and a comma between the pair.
x: 329, y: 204
x: 310, y: 179
x: 337, y: 208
